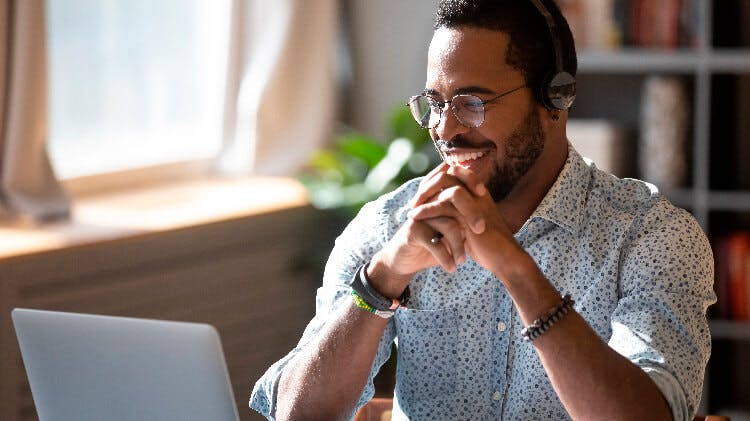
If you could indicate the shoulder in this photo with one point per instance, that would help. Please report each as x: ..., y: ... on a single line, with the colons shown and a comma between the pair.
x: 377, y: 220
x: 653, y: 217
x: 624, y: 194
x: 642, y: 200
x: 391, y: 208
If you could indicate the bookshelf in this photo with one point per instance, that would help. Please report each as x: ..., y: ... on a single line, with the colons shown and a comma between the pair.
x: 718, y: 54
x: 730, y: 330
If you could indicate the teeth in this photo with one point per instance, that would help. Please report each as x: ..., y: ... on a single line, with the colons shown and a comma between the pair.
x: 457, y: 158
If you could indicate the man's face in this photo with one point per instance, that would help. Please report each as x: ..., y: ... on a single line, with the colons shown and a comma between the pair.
x: 502, y: 150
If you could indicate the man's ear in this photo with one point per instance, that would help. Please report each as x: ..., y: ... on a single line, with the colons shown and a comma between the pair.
x: 553, y: 121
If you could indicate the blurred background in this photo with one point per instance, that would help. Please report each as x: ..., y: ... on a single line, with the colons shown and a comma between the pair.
x: 194, y: 159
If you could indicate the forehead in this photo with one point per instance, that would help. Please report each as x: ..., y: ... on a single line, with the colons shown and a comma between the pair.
x: 467, y: 56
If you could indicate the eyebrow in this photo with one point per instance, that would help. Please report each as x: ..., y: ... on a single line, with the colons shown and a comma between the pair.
x: 463, y: 90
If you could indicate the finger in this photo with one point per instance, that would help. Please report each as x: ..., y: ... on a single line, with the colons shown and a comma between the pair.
x: 432, y: 187
x: 454, y: 203
x: 428, y: 181
x: 467, y: 206
x: 440, y: 168
x: 421, y: 235
x: 449, y: 234
x: 469, y: 178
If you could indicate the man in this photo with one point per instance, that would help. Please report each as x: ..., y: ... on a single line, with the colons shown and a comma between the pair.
x: 488, y: 243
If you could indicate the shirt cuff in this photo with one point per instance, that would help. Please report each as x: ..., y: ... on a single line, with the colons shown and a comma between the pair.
x: 265, y: 392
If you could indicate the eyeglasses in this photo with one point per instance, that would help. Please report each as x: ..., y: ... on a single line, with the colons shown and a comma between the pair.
x: 468, y: 109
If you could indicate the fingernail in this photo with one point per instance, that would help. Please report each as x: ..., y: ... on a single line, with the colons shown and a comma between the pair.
x: 481, y: 189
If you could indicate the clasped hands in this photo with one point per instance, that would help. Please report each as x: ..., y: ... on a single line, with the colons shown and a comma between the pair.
x: 451, y: 201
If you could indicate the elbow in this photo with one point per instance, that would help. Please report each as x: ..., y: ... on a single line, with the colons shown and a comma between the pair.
x: 295, y: 402
x: 291, y: 410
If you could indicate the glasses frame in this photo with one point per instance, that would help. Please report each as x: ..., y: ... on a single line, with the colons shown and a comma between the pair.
x: 442, y: 107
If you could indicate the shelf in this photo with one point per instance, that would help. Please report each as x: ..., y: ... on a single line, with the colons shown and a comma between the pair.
x: 680, y: 197
x: 728, y: 200
x: 728, y: 61
x: 728, y: 329
x: 639, y: 61
x: 714, y: 200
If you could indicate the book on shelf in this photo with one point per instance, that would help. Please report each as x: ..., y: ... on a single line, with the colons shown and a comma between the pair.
x: 743, y: 104
x: 732, y: 284
x: 742, y: 140
x: 664, y: 125
x: 607, y: 143
x: 611, y: 24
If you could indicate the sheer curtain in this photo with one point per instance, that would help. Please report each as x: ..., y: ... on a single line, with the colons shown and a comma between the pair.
x: 280, y: 102
x: 280, y: 90
x: 27, y: 183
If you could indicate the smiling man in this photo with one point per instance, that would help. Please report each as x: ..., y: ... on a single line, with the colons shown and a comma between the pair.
x: 517, y: 279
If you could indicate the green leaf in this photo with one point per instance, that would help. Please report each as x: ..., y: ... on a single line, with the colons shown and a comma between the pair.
x: 325, y: 160
x: 362, y: 147
x: 359, y: 168
x: 402, y: 124
x: 399, y: 152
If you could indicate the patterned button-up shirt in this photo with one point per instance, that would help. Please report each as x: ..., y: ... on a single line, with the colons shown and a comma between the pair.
x: 639, y: 269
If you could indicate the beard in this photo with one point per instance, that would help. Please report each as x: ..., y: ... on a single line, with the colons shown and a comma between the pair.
x: 522, y: 149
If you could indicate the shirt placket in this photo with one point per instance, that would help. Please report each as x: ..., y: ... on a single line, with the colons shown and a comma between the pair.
x: 502, y: 328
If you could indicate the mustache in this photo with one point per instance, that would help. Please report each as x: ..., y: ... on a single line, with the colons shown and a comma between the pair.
x: 461, y: 142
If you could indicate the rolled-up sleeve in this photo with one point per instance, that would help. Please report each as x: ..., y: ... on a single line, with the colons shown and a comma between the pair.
x: 660, y: 321
x: 361, y: 239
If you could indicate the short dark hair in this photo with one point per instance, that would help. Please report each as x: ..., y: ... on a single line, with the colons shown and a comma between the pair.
x: 531, y: 49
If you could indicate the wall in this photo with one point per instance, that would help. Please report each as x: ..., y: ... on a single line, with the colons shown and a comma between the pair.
x: 389, y: 57
x: 250, y: 277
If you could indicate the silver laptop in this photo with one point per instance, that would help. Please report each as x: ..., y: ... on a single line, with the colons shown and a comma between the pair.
x: 87, y: 367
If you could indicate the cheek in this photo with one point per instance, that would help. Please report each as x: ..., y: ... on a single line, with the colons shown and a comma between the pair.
x: 501, y: 126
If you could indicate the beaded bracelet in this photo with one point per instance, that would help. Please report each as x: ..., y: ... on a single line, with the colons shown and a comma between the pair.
x: 542, y: 324
x: 361, y: 303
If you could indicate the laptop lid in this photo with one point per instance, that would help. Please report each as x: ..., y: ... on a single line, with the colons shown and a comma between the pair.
x: 88, y: 367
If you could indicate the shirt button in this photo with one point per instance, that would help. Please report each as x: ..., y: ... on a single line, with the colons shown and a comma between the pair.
x: 496, y: 396
x: 501, y: 326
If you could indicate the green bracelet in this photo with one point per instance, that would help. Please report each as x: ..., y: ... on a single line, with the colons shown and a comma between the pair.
x: 361, y: 303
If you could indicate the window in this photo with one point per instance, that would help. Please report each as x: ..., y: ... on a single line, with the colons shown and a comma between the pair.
x: 135, y: 83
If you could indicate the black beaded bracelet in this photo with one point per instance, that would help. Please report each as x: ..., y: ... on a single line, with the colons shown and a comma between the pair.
x: 542, y: 324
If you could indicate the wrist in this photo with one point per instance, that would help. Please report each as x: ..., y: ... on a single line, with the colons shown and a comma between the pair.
x: 516, y: 265
x: 387, y: 282
x: 531, y: 291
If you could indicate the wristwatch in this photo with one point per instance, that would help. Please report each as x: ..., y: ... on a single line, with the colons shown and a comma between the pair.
x: 362, y: 286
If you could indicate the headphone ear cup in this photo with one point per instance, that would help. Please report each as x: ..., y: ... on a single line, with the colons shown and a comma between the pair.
x: 559, y: 91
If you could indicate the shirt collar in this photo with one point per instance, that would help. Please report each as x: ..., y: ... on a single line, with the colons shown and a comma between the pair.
x: 564, y: 203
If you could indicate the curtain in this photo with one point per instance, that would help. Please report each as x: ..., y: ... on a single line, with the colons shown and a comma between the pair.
x: 280, y: 90
x: 28, y: 186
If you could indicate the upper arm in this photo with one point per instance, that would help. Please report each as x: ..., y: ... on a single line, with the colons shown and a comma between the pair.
x: 666, y: 280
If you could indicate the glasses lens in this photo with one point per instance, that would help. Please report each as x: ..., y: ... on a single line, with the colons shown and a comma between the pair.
x: 469, y: 110
x: 425, y: 110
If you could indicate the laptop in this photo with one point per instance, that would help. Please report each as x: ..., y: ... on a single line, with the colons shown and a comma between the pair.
x: 88, y: 367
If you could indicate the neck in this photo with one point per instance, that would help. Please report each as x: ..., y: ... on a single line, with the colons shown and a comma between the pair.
x: 525, y: 197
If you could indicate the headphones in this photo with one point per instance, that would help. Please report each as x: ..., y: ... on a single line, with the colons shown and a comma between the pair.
x: 558, y: 89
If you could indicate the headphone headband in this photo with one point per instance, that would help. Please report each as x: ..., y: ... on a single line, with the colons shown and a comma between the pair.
x: 559, y: 88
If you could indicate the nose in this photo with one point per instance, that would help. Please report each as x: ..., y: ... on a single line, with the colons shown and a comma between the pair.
x: 449, y: 127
